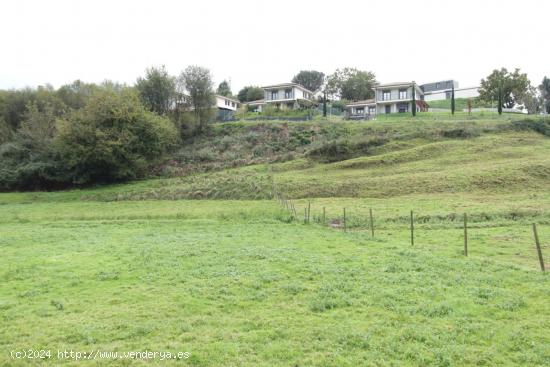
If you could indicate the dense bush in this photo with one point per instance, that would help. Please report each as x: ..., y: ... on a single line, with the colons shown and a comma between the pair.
x: 540, y: 126
x: 113, y: 138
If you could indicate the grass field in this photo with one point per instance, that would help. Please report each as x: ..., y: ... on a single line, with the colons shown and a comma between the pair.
x: 236, y: 280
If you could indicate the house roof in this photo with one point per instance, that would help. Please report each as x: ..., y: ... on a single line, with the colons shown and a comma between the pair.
x: 286, y: 85
x: 395, y: 84
x: 229, y: 99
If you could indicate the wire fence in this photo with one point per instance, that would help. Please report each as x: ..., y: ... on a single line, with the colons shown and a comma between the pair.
x: 341, y: 222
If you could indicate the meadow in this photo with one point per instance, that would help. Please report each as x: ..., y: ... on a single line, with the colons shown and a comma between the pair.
x: 211, y: 264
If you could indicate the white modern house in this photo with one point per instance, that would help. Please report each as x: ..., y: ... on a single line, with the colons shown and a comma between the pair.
x: 226, y: 107
x: 389, y: 98
x: 284, y: 96
x: 227, y: 103
x: 443, y: 89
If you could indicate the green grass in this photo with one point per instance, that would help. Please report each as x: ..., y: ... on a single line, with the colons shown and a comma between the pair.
x: 235, y: 280
x: 240, y: 290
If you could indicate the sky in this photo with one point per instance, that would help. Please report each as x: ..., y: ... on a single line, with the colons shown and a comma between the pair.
x: 262, y: 43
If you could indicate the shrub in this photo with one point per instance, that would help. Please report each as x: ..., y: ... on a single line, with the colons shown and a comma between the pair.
x: 113, y: 138
x: 339, y: 150
x: 540, y: 126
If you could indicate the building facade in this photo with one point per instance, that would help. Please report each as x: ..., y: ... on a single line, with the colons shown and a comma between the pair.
x: 287, y: 96
x: 443, y: 89
x: 388, y: 98
x: 226, y: 107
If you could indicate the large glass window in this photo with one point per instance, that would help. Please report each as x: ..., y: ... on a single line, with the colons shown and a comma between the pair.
x: 274, y: 94
x: 402, y: 94
x: 386, y: 96
x: 288, y: 93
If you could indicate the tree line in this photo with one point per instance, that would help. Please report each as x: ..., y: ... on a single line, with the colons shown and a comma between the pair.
x: 84, y: 133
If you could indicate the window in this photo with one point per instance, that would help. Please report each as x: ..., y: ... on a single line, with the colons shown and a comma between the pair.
x: 232, y: 104
x: 449, y: 85
x: 436, y: 85
x: 386, y: 96
x: 372, y: 110
x: 402, y: 94
x: 359, y: 110
x: 388, y: 108
x: 274, y: 94
x: 402, y: 108
x: 288, y: 93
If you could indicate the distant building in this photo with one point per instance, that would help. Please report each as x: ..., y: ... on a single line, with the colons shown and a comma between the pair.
x: 443, y: 90
x: 227, y: 103
x: 287, y: 96
x: 226, y: 107
x: 389, y: 98
x: 283, y: 96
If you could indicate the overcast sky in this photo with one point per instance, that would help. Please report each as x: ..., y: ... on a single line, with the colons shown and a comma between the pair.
x: 261, y: 42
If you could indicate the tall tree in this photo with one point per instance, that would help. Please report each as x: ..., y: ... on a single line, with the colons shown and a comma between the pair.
x: 157, y: 90
x: 310, y: 79
x: 76, y: 94
x: 325, y: 104
x: 351, y: 84
x: 544, y: 88
x: 113, y: 138
x: 500, y: 99
x: 533, y: 100
x: 250, y: 93
x: 513, y: 85
x: 453, y: 106
x: 413, y: 103
x: 198, y: 83
x: 224, y: 89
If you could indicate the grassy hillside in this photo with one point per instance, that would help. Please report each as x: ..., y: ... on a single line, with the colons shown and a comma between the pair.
x: 205, y: 261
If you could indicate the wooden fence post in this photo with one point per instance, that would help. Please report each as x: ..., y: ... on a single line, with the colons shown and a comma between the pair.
x: 305, y: 215
x: 308, y: 210
x: 412, y: 229
x: 465, y: 234
x: 345, y: 229
x: 324, y: 217
x: 537, y: 243
x: 371, y: 223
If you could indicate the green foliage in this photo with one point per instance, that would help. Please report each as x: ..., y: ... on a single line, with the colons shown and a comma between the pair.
x: 27, y: 160
x: 157, y: 90
x: 351, y: 84
x: 113, y: 138
x: 310, y: 79
x: 250, y: 93
x: 453, y: 103
x: 13, y: 103
x: 76, y: 94
x: 544, y: 88
x: 339, y: 150
x: 513, y: 86
x: 224, y: 89
x: 197, y: 81
x: 541, y: 126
